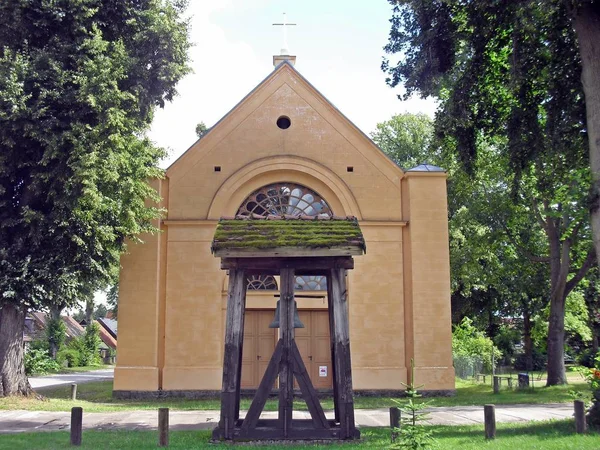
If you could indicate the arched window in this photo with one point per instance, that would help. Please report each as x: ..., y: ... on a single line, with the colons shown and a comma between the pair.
x: 311, y: 283
x: 285, y: 198
x: 261, y: 282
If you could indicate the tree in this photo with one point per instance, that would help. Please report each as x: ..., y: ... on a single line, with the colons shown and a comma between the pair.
x: 112, y: 298
x: 79, y: 81
x: 201, y: 129
x: 406, y: 139
x: 510, y: 71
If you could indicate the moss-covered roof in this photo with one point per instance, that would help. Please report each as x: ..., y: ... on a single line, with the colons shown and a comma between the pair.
x: 258, y: 234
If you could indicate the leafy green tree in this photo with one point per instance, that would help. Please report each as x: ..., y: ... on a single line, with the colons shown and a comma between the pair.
x: 79, y: 81
x: 511, y: 71
x: 112, y: 297
x: 406, y: 139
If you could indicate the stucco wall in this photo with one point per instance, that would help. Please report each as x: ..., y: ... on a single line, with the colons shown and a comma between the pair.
x: 181, y: 348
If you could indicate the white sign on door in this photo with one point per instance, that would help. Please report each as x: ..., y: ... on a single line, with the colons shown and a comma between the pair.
x: 322, y: 371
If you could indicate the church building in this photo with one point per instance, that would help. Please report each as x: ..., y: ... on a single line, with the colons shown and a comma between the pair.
x: 285, y: 150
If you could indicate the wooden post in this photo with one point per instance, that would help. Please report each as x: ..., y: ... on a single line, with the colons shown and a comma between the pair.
x: 336, y: 409
x: 580, y: 421
x: 74, y: 392
x: 343, y: 366
x: 394, y: 421
x: 496, y: 384
x: 489, y: 416
x: 234, y: 337
x: 163, y: 427
x: 286, y: 328
x: 76, y: 425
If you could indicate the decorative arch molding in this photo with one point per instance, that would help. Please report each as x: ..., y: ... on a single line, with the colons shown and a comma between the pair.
x: 232, y: 193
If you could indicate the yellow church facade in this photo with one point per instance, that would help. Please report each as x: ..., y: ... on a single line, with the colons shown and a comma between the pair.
x: 284, y: 147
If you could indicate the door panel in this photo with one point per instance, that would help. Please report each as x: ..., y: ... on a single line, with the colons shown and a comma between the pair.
x: 259, y: 344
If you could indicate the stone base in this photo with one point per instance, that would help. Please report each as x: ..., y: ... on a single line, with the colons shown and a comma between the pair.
x: 249, y: 393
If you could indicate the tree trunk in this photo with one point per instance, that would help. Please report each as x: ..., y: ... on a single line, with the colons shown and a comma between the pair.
x: 13, y: 380
x: 53, y: 343
x: 586, y: 20
x: 594, y: 340
x: 89, y: 310
x: 528, y: 342
x: 556, y: 341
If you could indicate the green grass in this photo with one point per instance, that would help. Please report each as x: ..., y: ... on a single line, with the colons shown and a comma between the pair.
x: 556, y: 435
x: 97, y: 397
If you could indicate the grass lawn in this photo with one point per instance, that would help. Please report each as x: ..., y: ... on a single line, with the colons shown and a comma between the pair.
x: 557, y: 435
x: 85, y: 368
x: 97, y: 397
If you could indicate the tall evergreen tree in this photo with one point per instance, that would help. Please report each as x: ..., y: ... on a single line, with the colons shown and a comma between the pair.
x: 79, y: 80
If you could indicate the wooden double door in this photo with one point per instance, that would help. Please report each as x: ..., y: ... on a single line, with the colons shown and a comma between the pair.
x: 312, y: 340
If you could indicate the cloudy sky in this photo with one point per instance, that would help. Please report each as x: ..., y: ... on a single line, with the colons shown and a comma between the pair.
x: 339, y: 49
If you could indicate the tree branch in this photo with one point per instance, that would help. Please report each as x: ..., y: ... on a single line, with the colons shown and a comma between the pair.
x: 531, y: 257
x: 590, y: 259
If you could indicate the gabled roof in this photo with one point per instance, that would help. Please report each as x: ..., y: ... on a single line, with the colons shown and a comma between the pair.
x: 285, y: 66
x: 108, y: 340
x: 110, y: 325
x: 73, y: 328
x: 288, y: 235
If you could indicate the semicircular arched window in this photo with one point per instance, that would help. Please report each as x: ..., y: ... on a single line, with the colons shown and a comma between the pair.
x: 261, y: 283
x: 311, y: 283
x: 285, y: 198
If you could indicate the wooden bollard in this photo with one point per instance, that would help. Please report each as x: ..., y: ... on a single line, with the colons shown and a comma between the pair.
x: 489, y: 416
x: 74, y: 392
x: 76, y: 423
x: 580, y: 421
x: 163, y: 427
x: 496, y: 384
x: 394, y: 421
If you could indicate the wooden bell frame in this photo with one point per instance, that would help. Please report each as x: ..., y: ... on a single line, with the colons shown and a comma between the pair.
x: 286, y: 362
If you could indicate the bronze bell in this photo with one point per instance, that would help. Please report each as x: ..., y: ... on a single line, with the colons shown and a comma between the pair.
x: 297, y: 323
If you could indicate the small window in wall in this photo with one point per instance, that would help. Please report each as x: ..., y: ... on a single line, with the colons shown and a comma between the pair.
x: 261, y: 283
x: 311, y: 283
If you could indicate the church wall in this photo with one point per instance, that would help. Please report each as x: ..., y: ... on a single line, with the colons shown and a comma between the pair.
x: 315, y: 151
x: 428, y: 318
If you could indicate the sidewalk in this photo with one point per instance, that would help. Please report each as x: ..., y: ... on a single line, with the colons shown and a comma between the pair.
x: 20, y: 421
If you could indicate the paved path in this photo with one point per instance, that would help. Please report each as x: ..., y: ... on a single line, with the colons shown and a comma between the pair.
x: 67, y: 378
x: 19, y: 421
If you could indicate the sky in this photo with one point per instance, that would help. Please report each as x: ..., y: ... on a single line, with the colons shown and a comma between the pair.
x: 339, y: 49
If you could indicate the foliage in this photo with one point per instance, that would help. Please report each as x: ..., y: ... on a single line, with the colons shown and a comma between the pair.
x: 38, y: 362
x: 467, y: 366
x: 592, y: 376
x: 56, y: 333
x: 84, y: 350
x: 539, y: 360
x: 201, y: 129
x: 506, y: 338
x: 112, y: 297
x: 469, y: 341
x: 406, y: 139
x: 509, y: 74
x: 70, y: 355
x: 412, y: 434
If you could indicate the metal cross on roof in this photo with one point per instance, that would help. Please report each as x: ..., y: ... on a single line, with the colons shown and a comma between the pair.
x: 284, y: 50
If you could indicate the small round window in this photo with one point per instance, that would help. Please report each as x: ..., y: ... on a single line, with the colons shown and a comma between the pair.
x: 284, y: 122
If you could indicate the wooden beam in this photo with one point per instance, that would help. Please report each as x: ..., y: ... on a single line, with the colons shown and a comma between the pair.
x: 248, y: 252
x: 234, y: 337
x: 336, y: 408
x: 286, y: 329
x: 309, y: 394
x: 262, y: 393
x: 275, y: 264
x: 343, y: 366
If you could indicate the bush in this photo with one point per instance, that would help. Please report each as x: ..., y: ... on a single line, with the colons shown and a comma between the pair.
x: 587, y: 358
x: 38, y: 362
x: 69, y: 355
x: 468, y: 341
